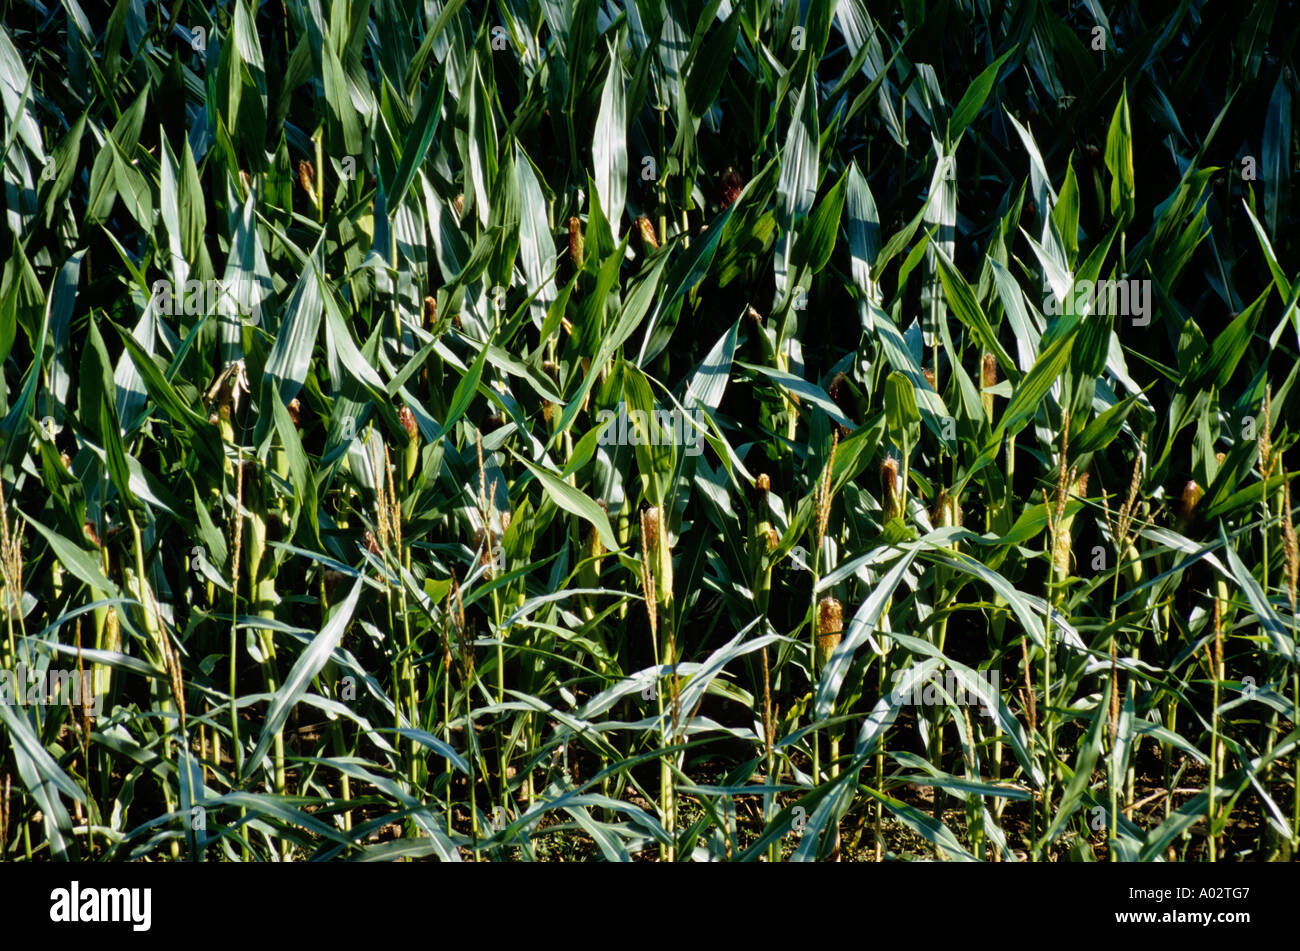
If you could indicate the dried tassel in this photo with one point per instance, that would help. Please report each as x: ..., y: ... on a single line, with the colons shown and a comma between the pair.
x: 824, y: 491
x: 1289, y: 541
x: 649, y: 543
x: 1265, y: 444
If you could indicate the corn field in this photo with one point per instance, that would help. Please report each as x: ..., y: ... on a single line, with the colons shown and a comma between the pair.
x: 649, y: 430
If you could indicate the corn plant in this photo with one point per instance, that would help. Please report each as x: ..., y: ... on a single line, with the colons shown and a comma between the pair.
x: 648, y: 430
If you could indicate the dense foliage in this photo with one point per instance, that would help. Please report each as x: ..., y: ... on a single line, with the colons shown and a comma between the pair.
x: 337, y: 339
